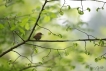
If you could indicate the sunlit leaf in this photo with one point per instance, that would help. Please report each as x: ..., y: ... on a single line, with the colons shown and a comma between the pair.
x: 21, y: 30
x: 36, y: 50
x: 32, y: 19
x: 66, y: 53
x: 46, y: 18
x: 61, y: 12
x: 29, y: 64
x: 13, y: 28
x: 102, y: 8
x: 69, y: 7
x: 49, y: 33
x: 38, y: 8
x: 60, y: 35
x: 80, y: 12
x: 72, y: 67
x: 104, y: 57
x: 53, y: 15
x: 78, y: 8
x: 80, y: 58
x: 97, y: 9
x: 75, y: 44
x: 27, y: 26
x: 49, y: 69
x: 24, y: 21
x: 33, y: 69
x: 96, y: 59
x: 89, y: 9
x: 88, y: 53
x: 40, y: 62
x: 87, y: 66
x: 91, y: 68
x: 1, y: 26
x: 101, y: 43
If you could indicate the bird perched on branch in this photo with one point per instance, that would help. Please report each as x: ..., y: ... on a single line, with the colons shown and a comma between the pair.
x: 38, y: 36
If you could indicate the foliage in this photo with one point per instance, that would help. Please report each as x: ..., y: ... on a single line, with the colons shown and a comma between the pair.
x: 58, y: 50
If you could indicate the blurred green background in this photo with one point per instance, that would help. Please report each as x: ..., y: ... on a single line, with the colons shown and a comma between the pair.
x: 65, y: 24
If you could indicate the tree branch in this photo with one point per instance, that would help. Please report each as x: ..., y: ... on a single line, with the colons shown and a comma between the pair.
x: 5, y: 52
x: 37, y: 19
x: 104, y: 39
x: 39, y: 64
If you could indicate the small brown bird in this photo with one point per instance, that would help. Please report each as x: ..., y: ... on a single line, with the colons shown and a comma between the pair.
x: 38, y: 36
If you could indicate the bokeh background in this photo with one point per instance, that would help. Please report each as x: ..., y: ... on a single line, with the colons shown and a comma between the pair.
x: 63, y: 20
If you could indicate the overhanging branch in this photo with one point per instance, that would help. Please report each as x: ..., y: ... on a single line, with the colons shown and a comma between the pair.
x: 5, y: 52
x: 104, y: 39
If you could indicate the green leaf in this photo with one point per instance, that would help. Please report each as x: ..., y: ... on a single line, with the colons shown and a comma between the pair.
x: 33, y: 69
x: 13, y: 28
x: 27, y: 26
x: 87, y: 66
x: 67, y: 28
x: 32, y: 19
x: 80, y: 12
x: 24, y: 21
x: 104, y: 57
x: 89, y: 9
x: 61, y: 12
x: 53, y: 15
x: 21, y: 30
x: 60, y: 35
x: 38, y: 8
x: 69, y: 7
x: 45, y: 11
x: 36, y: 50
x: 91, y: 68
x: 80, y: 58
x: 29, y: 64
x: 97, y: 9
x: 102, y: 8
x: 70, y: 28
x: 96, y: 59
x: 78, y: 8
x: 46, y: 18
x: 40, y: 63
x: 72, y: 67
x: 49, y: 33
x: 88, y: 53
x: 101, y: 43
x: 75, y: 44
x: 66, y: 53
x: 49, y: 69
x: 1, y: 26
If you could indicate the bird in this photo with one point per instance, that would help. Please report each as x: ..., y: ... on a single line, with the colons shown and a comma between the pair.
x: 38, y: 36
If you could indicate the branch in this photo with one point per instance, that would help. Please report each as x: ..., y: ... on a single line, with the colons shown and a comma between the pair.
x: 101, y: 1
x: 104, y: 39
x: 37, y: 19
x: 45, y: 47
x: 5, y: 52
x: 28, y: 67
